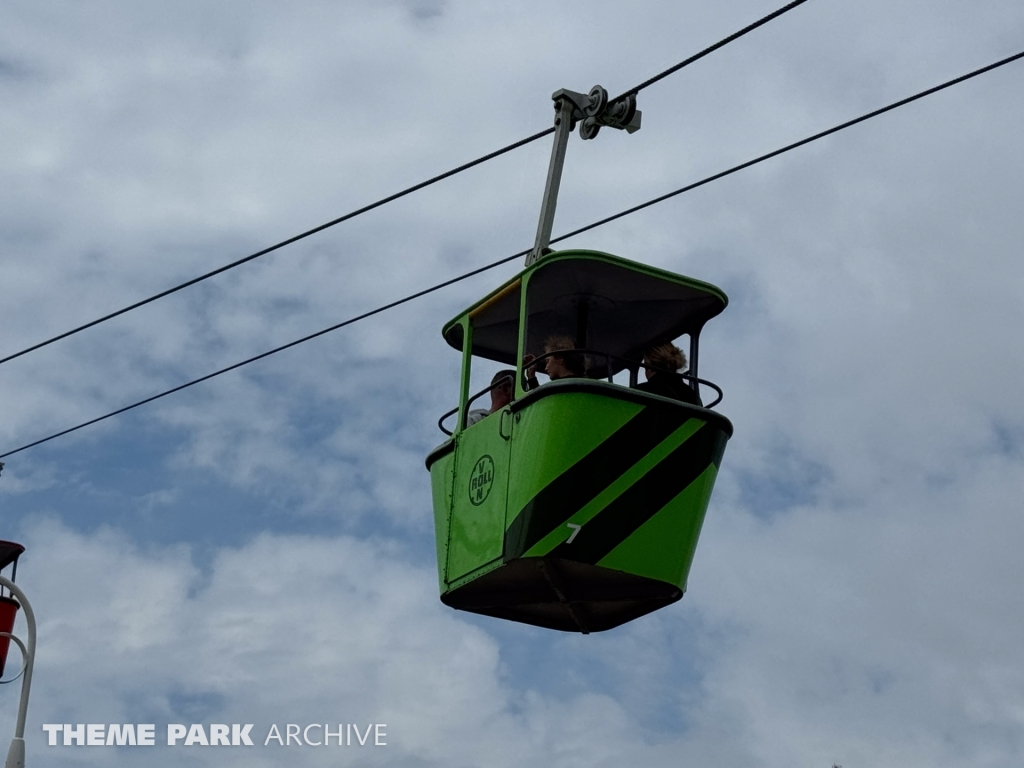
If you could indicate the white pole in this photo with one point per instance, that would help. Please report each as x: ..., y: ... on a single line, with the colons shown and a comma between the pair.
x: 16, y: 754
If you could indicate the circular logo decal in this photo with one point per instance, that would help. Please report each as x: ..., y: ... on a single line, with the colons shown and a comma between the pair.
x: 481, y: 479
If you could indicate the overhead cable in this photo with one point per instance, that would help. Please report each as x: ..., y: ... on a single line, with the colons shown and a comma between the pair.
x: 390, y: 198
x: 283, y: 243
x: 492, y: 265
x: 274, y: 351
x: 712, y: 48
x: 794, y: 145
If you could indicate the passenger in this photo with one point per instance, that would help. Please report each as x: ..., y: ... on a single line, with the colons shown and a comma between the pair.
x: 556, y: 366
x: 565, y: 365
x: 661, y: 364
x: 501, y: 395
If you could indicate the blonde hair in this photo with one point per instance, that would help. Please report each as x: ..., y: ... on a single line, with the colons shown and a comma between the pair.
x: 666, y: 357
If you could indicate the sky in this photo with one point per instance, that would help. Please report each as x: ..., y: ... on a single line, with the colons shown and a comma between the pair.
x: 259, y: 549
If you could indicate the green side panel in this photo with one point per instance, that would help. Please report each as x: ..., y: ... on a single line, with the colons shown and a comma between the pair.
x: 644, y: 456
x: 663, y: 547
x: 476, y: 532
x: 554, y: 433
x: 613, y: 491
x: 442, y: 474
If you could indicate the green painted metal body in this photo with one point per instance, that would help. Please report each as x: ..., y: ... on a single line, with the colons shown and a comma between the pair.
x: 579, y: 505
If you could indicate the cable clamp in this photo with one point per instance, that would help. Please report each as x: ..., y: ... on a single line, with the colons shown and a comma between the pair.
x: 593, y: 110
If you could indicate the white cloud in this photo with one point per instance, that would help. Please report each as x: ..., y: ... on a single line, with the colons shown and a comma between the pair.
x: 284, y: 629
x: 852, y: 599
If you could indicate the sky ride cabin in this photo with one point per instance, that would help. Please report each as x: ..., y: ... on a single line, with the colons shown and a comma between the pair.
x: 578, y: 505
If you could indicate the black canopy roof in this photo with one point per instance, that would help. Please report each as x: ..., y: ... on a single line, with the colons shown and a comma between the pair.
x: 622, y: 306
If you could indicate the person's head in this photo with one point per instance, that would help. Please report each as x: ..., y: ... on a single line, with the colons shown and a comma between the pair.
x: 664, y: 357
x: 501, y: 395
x: 568, y: 364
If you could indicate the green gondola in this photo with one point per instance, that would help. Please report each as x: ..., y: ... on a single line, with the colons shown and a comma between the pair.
x: 578, y: 505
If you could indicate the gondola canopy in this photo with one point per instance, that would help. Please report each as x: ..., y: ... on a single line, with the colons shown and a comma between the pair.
x: 620, y: 306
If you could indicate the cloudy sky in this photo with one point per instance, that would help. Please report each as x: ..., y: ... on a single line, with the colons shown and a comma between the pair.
x: 259, y: 549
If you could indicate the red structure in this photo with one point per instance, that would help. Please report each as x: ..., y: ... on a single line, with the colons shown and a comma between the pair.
x: 9, y: 554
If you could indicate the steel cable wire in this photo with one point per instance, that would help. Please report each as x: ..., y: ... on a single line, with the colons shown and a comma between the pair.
x: 389, y: 199
x: 712, y: 48
x: 283, y: 243
x: 492, y: 265
x: 794, y: 145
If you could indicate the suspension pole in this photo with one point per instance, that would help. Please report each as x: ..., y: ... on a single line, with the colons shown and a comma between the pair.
x: 564, y: 123
x: 594, y: 110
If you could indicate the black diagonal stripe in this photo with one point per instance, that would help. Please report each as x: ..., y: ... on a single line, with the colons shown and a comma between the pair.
x: 578, y: 485
x: 620, y: 519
